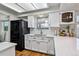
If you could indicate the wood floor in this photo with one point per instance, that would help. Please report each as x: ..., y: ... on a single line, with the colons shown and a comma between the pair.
x: 29, y: 53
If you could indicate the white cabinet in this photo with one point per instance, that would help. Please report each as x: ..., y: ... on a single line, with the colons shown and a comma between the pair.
x: 8, y: 52
x: 43, y: 46
x: 77, y: 19
x: 51, y: 44
x: 77, y: 31
x: 51, y: 48
x: 40, y: 44
x: 54, y: 19
x: 34, y: 45
x: 27, y: 44
x: 65, y: 46
x: 32, y: 21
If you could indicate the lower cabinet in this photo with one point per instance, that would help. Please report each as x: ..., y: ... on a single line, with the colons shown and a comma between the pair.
x: 34, y: 45
x: 27, y: 44
x: 51, y: 51
x: 43, y: 46
x: 51, y: 48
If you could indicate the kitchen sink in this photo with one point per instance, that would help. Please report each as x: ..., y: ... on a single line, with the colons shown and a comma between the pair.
x: 39, y: 35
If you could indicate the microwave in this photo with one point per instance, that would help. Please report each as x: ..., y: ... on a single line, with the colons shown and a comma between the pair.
x: 67, y: 17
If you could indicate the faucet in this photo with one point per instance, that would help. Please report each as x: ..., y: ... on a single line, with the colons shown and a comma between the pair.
x: 41, y: 32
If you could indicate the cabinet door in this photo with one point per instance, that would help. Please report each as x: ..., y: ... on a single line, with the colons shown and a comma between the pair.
x: 77, y: 31
x: 51, y: 44
x: 34, y: 45
x: 54, y: 19
x: 29, y: 21
x: 51, y: 48
x: 27, y: 44
x: 43, y: 46
x: 32, y: 21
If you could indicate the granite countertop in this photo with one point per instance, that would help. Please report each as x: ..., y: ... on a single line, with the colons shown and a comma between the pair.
x: 6, y: 45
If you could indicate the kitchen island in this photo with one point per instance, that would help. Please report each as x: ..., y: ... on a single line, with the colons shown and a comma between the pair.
x: 65, y: 46
x: 7, y: 49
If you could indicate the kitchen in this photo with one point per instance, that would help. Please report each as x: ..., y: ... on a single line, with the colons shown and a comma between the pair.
x: 49, y: 31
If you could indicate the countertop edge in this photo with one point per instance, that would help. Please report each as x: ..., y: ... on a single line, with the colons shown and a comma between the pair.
x: 6, y: 45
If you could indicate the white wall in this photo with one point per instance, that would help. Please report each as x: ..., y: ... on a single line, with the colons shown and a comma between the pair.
x: 12, y: 17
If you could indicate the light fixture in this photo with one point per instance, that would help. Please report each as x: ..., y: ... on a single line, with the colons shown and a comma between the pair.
x: 27, y: 6
x: 39, y: 5
x: 41, y: 15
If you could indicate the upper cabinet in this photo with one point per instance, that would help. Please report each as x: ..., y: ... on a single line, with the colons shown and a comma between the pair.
x: 32, y: 21
x: 77, y: 19
x: 54, y: 19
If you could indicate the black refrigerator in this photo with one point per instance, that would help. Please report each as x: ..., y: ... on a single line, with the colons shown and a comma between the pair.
x: 17, y: 30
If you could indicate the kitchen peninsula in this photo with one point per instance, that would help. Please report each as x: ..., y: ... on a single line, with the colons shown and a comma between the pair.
x: 7, y: 49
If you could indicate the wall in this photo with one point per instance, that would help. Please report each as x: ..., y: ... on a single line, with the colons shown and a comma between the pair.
x: 12, y: 17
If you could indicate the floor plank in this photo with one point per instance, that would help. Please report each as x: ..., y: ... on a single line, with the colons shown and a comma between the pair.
x: 29, y: 53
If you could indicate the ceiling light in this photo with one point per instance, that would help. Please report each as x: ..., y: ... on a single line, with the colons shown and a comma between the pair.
x: 40, y: 15
x: 26, y: 6
x: 39, y: 5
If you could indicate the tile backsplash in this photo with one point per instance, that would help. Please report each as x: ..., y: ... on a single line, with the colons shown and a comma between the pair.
x: 45, y: 31
x: 55, y: 31
x: 67, y: 30
x: 51, y: 31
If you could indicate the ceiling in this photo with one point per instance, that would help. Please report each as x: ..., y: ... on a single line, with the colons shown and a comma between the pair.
x: 26, y: 7
x: 22, y: 7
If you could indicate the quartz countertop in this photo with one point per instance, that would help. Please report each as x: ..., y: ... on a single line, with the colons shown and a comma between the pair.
x: 49, y: 35
x: 6, y: 45
x: 39, y: 35
x: 65, y: 46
